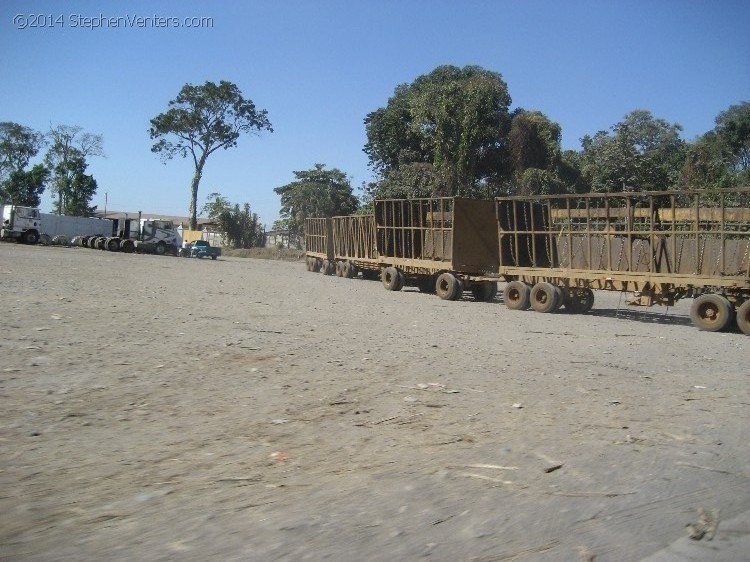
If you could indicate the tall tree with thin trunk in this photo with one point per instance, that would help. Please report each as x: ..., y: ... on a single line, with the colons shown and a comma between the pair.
x: 201, y: 120
x: 69, y: 149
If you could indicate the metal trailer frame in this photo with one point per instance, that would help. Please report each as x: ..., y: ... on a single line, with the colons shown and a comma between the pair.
x: 355, y: 246
x: 660, y: 245
x: 441, y: 244
x: 319, y: 245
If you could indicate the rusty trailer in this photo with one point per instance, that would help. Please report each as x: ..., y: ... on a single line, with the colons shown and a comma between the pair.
x: 441, y: 245
x: 554, y: 251
x: 319, y: 245
x: 354, y: 246
x: 661, y: 246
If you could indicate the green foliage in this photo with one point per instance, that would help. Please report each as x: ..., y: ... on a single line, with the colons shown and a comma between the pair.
x: 201, y: 120
x: 733, y: 132
x: 408, y: 181
x: 454, y: 119
x: 534, y: 142
x: 641, y: 154
x: 18, y: 145
x: 721, y: 157
x: 25, y: 187
x: 66, y: 157
x: 239, y: 226
x: 315, y: 193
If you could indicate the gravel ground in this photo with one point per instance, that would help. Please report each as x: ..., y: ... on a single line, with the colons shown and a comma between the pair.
x: 158, y: 408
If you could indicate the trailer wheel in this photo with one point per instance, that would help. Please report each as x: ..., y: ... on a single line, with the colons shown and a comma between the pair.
x: 161, y: 249
x: 517, y: 295
x: 448, y: 287
x: 315, y: 265
x: 351, y: 270
x: 544, y: 297
x: 560, y: 297
x: 113, y: 244
x: 327, y: 268
x: 30, y: 237
x: 127, y: 246
x: 340, y: 269
x: 743, y: 317
x: 711, y: 312
x: 392, y: 279
x: 579, y: 300
x: 484, y: 291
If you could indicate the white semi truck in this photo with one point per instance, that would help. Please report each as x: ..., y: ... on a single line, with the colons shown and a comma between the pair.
x: 21, y: 223
x: 151, y: 236
x: 155, y: 236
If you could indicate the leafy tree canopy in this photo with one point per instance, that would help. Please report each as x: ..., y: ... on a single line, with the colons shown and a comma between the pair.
x: 201, y: 120
x: 455, y: 119
x: 641, y: 153
x: 69, y: 149
x: 25, y: 187
x: 239, y: 226
x: 316, y: 193
x: 18, y: 145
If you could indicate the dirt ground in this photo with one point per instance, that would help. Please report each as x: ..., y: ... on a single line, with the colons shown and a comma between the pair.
x: 158, y: 408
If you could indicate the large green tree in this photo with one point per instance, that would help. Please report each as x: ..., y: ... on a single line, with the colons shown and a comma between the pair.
x: 25, y: 187
x: 454, y: 119
x: 18, y: 145
x: 535, y: 155
x: 67, y: 155
x: 641, y: 153
x: 315, y: 193
x: 240, y: 227
x: 201, y: 120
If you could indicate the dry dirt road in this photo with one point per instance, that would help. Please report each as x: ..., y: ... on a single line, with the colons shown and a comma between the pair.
x: 159, y: 408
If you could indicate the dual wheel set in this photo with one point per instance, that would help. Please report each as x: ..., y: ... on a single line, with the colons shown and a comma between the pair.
x: 340, y: 268
x: 546, y: 297
x: 712, y: 312
x: 445, y: 285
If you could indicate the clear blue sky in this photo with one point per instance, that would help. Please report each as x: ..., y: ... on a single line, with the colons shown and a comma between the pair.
x: 319, y: 67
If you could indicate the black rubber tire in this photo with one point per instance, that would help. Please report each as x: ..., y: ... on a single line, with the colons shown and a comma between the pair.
x: 350, y: 272
x: 340, y: 269
x: 743, y: 317
x: 517, y: 295
x: 127, y: 246
x: 560, y: 297
x: 710, y: 312
x: 392, y: 278
x: 101, y: 243
x: 315, y: 265
x: 484, y: 291
x: 113, y: 244
x: 544, y: 297
x: 161, y: 249
x: 448, y: 287
x: 579, y: 300
x: 308, y: 264
x: 30, y: 237
x: 213, y: 257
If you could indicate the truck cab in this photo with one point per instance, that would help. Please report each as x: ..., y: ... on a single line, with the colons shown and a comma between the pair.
x: 21, y: 223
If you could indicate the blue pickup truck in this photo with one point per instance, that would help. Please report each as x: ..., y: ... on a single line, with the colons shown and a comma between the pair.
x: 200, y: 249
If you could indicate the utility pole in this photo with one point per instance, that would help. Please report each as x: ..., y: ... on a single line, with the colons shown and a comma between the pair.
x: 105, y: 204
